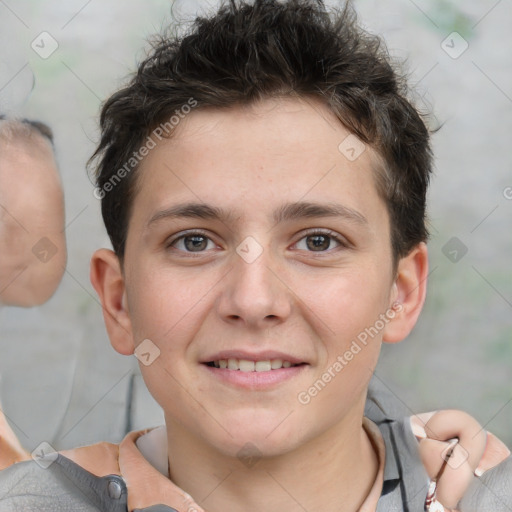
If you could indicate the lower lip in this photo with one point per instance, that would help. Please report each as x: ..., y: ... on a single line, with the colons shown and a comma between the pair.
x: 255, y: 380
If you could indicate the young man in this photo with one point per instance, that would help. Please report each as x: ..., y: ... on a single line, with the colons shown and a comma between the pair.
x: 263, y: 183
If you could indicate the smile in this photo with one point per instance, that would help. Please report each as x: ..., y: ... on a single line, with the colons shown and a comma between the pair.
x: 245, y: 365
x: 254, y: 375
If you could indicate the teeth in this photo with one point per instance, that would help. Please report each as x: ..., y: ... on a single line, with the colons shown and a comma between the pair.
x: 263, y: 366
x: 244, y: 365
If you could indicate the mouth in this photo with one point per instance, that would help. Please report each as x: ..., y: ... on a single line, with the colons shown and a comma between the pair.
x: 265, y: 370
x: 246, y: 365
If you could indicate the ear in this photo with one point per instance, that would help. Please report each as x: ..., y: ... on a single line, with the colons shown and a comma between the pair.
x: 108, y: 281
x: 407, y: 294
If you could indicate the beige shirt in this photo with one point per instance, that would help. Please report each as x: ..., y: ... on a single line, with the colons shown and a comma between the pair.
x: 373, y: 432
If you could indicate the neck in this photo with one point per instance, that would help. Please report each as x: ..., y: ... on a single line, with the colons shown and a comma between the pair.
x: 333, y: 472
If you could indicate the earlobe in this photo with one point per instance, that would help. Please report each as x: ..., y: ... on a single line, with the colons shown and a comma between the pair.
x: 108, y: 281
x: 409, y: 290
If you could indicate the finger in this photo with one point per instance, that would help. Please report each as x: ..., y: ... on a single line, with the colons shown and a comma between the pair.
x: 457, y: 474
x: 418, y: 422
x: 450, y: 424
x: 495, y: 452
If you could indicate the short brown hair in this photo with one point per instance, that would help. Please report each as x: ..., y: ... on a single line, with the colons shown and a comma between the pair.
x: 246, y: 52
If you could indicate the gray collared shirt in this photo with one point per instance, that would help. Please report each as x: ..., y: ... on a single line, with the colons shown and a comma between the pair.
x: 64, y: 486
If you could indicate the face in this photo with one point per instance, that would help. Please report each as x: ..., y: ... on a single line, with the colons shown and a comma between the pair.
x: 256, y: 244
x: 31, y: 217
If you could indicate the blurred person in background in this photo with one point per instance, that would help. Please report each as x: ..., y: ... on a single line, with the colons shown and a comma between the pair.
x: 32, y: 239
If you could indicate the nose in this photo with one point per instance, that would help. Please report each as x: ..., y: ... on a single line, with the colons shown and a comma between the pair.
x: 254, y: 293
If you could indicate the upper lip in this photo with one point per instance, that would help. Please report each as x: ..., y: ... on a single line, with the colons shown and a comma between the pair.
x: 266, y: 355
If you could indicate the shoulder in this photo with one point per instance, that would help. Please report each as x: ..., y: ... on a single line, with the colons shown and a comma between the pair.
x: 491, y: 492
x: 60, y: 485
x: 457, y: 463
x: 81, y: 479
x: 56, y: 483
x: 86, y: 478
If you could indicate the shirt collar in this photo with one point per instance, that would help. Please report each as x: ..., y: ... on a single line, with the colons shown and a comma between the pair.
x: 384, y: 420
x: 153, y: 446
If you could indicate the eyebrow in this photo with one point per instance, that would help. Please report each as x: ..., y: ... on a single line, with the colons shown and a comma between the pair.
x: 287, y: 212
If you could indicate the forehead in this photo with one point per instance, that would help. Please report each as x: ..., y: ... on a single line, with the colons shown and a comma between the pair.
x: 20, y: 135
x: 279, y: 150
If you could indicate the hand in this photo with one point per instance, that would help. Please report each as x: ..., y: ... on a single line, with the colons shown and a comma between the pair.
x: 454, y: 449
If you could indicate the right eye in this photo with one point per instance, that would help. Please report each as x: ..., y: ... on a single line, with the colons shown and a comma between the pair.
x: 192, y: 242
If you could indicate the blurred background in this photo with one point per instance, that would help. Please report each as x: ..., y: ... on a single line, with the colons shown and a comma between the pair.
x: 62, y: 383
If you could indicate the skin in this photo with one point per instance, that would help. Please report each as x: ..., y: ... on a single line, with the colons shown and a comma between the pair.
x: 31, y: 209
x: 474, y: 451
x: 306, y: 303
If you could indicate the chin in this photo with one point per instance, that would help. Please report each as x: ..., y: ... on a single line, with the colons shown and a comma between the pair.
x: 249, y: 449
x: 260, y: 437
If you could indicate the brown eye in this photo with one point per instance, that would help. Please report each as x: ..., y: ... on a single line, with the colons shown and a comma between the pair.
x: 318, y: 242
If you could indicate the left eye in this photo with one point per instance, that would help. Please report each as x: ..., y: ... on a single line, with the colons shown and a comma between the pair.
x: 317, y: 242
x: 195, y: 242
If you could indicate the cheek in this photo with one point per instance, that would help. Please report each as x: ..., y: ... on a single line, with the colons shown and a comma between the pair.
x: 170, y: 306
x: 346, y: 301
x: 169, y: 312
x: 347, y: 318
x: 347, y: 309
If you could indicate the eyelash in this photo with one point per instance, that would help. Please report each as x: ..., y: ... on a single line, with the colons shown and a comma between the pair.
x: 326, y: 232
x: 186, y: 234
x: 311, y: 232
